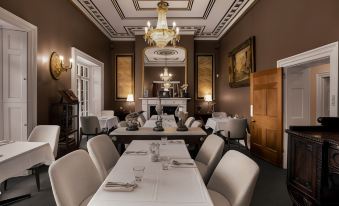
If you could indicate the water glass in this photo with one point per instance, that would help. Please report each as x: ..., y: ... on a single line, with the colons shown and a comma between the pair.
x: 138, y: 173
x: 163, y: 140
x: 165, y: 161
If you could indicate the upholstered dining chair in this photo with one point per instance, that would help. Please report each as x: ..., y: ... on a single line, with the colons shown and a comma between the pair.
x: 197, y: 123
x: 189, y: 121
x: 74, y: 179
x: 103, y: 154
x: 233, y: 181
x: 209, y: 155
x: 43, y: 133
x: 235, y: 129
x: 109, y: 113
x: 219, y: 115
x: 90, y: 126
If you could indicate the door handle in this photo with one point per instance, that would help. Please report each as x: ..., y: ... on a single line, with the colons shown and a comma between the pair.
x: 253, y: 120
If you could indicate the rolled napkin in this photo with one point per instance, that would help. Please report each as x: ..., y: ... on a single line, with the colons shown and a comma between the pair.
x: 4, y: 142
x: 176, y: 141
x: 141, y: 152
x: 183, y: 163
x: 119, y: 186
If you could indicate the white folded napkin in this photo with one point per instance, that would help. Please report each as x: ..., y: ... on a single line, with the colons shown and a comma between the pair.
x: 141, y: 152
x: 183, y: 163
x: 119, y: 187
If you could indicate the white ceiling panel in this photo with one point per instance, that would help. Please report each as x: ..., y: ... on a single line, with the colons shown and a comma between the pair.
x: 123, y: 19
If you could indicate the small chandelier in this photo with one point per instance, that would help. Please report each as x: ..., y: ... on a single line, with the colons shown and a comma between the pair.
x: 166, y: 77
x: 161, y: 35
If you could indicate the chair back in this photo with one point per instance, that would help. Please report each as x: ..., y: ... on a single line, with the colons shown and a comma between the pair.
x: 210, y: 153
x: 189, y: 121
x: 90, y: 125
x: 103, y: 154
x: 219, y: 115
x: 46, y: 133
x: 235, y: 178
x: 109, y: 113
x: 236, y: 127
x: 141, y: 119
x: 197, y: 123
x: 74, y: 179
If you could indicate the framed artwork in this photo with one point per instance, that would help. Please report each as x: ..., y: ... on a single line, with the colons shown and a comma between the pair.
x: 124, y: 67
x: 241, y: 63
x: 204, y: 75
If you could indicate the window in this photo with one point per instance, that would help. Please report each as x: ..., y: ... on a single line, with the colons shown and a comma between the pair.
x: 83, y: 88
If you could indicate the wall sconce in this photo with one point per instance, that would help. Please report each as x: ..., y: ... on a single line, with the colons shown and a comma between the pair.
x: 56, y: 65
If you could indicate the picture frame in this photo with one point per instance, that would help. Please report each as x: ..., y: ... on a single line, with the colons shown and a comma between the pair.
x: 241, y: 63
x: 204, y: 78
x: 124, y: 76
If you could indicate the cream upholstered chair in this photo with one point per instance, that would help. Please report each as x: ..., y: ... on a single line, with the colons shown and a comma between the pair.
x: 189, y: 121
x: 103, y: 154
x: 219, y: 115
x: 233, y: 181
x: 197, y: 123
x: 44, y: 133
x: 209, y: 155
x: 74, y: 179
x: 109, y: 113
x: 235, y: 129
x: 90, y: 126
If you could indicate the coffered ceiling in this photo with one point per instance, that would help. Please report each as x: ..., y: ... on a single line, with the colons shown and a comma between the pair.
x: 123, y: 19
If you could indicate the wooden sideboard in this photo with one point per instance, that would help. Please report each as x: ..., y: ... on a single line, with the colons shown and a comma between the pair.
x: 313, y: 165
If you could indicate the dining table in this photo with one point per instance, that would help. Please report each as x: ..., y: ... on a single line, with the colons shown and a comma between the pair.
x: 108, y: 122
x: 216, y: 123
x: 18, y: 156
x: 179, y: 185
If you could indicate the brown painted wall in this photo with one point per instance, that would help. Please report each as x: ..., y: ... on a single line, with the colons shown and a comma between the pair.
x: 60, y: 27
x: 282, y: 28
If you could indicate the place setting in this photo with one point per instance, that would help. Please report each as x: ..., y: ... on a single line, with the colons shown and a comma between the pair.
x: 5, y: 142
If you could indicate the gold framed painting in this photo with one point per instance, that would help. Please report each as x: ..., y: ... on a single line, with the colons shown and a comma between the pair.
x: 124, y: 76
x: 241, y: 63
x: 204, y: 75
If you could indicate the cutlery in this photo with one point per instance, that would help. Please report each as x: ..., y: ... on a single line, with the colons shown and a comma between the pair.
x: 136, y: 152
x: 174, y: 162
x: 120, y: 184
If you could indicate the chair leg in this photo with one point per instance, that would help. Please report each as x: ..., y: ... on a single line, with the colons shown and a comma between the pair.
x: 245, y: 140
x: 37, y: 177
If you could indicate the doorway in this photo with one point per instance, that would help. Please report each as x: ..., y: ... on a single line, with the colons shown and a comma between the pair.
x: 18, y: 74
x: 310, y: 87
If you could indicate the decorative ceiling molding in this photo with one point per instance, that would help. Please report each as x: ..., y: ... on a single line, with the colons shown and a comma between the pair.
x: 123, y: 19
x: 170, y: 56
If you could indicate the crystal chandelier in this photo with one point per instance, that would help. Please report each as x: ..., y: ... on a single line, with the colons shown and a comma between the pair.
x: 161, y: 35
x: 166, y: 77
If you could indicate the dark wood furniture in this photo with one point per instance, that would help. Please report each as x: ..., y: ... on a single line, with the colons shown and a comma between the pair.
x: 194, y: 136
x: 66, y: 115
x: 313, y: 165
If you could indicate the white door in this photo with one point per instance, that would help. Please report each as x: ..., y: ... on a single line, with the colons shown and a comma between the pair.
x: 298, y: 97
x: 95, y: 91
x: 14, y: 84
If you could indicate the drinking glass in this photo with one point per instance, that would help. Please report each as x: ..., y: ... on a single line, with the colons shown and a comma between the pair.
x: 165, y: 161
x: 163, y: 140
x: 138, y: 173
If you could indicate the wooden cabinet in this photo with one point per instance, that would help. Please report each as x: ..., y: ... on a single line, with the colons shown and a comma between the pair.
x: 313, y: 162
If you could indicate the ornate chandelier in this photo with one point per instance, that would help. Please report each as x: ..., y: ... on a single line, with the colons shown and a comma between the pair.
x: 166, y: 77
x: 161, y: 35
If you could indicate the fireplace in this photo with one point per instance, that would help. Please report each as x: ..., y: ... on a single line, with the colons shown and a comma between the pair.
x: 169, y: 105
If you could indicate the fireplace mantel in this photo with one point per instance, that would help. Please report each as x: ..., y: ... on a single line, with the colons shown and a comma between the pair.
x: 151, y: 101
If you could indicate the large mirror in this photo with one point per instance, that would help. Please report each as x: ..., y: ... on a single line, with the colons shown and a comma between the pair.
x: 164, y: 72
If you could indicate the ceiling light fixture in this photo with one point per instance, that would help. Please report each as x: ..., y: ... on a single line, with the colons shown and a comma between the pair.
x: 162, y: 35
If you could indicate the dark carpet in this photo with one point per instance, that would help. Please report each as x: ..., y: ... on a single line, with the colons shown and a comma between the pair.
x: 270, y: 189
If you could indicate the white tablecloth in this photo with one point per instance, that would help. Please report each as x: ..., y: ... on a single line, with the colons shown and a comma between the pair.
x: 166, y: 123
x: 20, y: 156
x: 176, y: 186
x: 216, y: 123
x: 107, y: 122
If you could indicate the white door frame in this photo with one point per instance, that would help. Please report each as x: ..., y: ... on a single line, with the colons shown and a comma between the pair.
x: 76, y: 53
x: 32, y: 39
x: 327, y: 51
x: 320, y: 91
